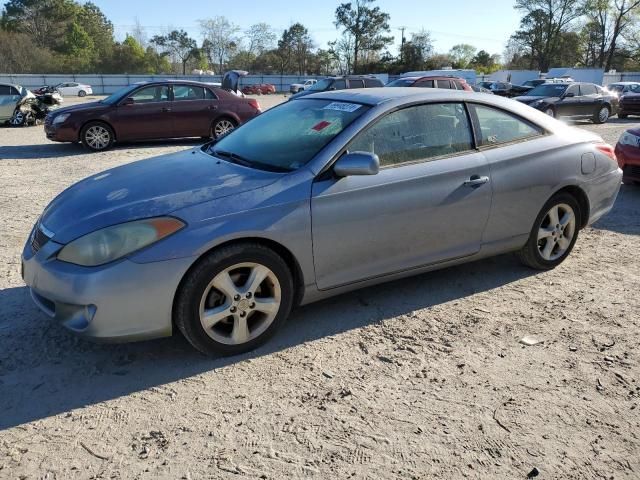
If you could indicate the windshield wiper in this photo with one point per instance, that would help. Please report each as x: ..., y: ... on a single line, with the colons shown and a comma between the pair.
x: 234, y: 157
x: 245, y: 162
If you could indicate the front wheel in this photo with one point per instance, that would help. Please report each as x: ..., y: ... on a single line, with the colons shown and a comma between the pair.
x: 19, y: 119
x: 97, y: 136
x: 601, y: 115
x: 234, y: 300
x: 551, y: 112
x: 554, y: 233
x: 221, y: 127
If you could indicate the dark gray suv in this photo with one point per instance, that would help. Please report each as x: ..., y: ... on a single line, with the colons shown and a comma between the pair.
x: 341, y: 83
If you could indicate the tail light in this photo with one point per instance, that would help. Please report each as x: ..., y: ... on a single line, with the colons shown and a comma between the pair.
x: 607, y: 150
x: 254, y: 103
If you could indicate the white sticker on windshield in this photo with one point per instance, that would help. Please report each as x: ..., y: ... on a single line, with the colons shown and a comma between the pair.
x: 342, y: 107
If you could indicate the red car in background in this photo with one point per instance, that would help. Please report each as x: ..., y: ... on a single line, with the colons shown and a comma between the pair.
x: 452, y: 83
x: 628, y: 154
x: 259, y: 89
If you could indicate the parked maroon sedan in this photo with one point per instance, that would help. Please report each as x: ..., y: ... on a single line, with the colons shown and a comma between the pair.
x: 259, y: 89
x: 152, y: 110
x: 628, y: 154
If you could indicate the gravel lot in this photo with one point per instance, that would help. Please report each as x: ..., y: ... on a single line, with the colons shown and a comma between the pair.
x: 420, y: 378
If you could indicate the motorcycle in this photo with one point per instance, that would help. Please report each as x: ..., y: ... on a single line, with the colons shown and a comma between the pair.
x: 32, y: 109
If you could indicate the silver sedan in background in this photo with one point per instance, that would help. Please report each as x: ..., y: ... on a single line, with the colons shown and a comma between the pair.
x: 318, y: 196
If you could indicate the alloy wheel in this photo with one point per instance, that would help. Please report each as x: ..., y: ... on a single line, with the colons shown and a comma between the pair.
x: 97, y: 137
x: 603, y: 114
x: 17, y: 119
x: 222, y: 127
x: 556, y: 232
x: 240, y: 303
x: 550, y: 112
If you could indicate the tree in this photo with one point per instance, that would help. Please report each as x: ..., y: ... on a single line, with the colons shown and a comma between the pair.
x: 220, y: 39
x: 296, y: 44
x: 423, y: 43
x: 178, y: 46
x: 462, y: 54
x: 78, y: 47
x: 139, y: 33
x: 260, y: 37
x: 367, y: 25
x: 18, y: 54
x: 46, y: 21
x: 541, y: 28
x: 342, y: 50
x: 608, y: 20
x: 99, y: 29
x: 484, y: 62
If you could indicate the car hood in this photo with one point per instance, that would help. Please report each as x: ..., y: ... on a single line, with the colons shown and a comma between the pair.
x: 83, y: 107
x: 147, y: 188
x: 529, y: 100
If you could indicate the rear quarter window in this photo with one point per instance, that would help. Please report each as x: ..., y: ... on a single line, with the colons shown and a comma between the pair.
x: 498, y: 127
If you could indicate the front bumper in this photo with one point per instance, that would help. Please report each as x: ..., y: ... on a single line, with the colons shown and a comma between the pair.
x: 61, y: 132
x: 119, y: 302
x: 629, y: 162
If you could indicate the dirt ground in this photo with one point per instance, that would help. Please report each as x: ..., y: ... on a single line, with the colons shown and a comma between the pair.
x: 420, y: 378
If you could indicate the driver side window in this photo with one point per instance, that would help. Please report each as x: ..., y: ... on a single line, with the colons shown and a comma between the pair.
x: 157, y: 93
x: 417, y: 133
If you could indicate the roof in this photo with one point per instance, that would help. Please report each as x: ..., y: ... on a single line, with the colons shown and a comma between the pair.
x: 623, y: 83
x: 433, y: 77
x: 376, y: 96
x: 174, y: 80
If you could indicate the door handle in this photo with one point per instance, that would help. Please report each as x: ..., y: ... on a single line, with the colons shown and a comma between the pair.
x: 476, y: 180
x: 166, y: 109
x: 213, y: 107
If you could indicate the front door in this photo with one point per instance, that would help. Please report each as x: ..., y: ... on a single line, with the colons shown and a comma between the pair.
x: 146, y: 114
x: 571, y: 103
x: 9, y: 97
x: 429, y: 202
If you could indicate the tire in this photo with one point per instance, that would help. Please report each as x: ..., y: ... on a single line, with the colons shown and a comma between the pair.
x: 97, y: 136
x: 82, y: 93
x: 601, y: 115
x: 221, y: 127
x: 18, y: 119
x: 531, y: 254
x: 235, y: 308
x: 550, y: 111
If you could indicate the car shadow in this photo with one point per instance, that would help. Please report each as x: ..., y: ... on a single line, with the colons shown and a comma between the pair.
x: 45, y: 370
x: 55, y: 150
x: 624, y: 217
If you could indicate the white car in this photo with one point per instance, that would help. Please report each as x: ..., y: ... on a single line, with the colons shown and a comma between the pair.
x: 74, y: 89
x: 297, y: 87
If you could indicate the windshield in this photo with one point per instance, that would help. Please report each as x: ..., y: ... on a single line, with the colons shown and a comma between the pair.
x: 286, y: 137
x: 119, y: 94
x: 401, y: 82
x: 322, y: 85
x: 548, y: 90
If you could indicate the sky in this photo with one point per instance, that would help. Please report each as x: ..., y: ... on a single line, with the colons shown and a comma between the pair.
x: 459, y: 21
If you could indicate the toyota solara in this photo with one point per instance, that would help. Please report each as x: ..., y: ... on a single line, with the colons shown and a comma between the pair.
x: 320, y: 195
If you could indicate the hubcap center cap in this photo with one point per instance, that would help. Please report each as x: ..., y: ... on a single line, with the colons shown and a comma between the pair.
x: 244, y: 305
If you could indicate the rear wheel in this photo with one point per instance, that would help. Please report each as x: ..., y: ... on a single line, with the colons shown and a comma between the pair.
x: 82, y: 93
x: 554, y: 233
x: 601, y: 115
x: 234, y: 300
x: 97, y: 136
x: 221, y: 127
x: 18, y: 119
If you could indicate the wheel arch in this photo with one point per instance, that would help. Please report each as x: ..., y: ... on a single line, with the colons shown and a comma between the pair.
x: 278, y: 248
x: 582, y: 199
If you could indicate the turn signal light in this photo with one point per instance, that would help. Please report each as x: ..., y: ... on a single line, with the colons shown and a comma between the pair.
x: 254, y: 103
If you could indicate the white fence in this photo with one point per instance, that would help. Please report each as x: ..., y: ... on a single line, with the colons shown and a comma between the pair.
x: 106, y: 84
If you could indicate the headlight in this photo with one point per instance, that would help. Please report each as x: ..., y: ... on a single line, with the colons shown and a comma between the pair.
x: 60, y: 118
x: 111, y: 243
x: 629, y: 139
x: 537, y: 103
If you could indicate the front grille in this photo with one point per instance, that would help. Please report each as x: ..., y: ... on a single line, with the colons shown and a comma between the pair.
x: 39, y: 239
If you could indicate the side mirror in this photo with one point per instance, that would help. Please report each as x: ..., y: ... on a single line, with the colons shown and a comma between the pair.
x: 128, y: 101
x: 357, y: 163
x: 569, y: 95
x: 331, y: 88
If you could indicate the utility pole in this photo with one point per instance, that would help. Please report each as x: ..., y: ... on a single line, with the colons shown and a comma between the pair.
x: 402, y: 29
